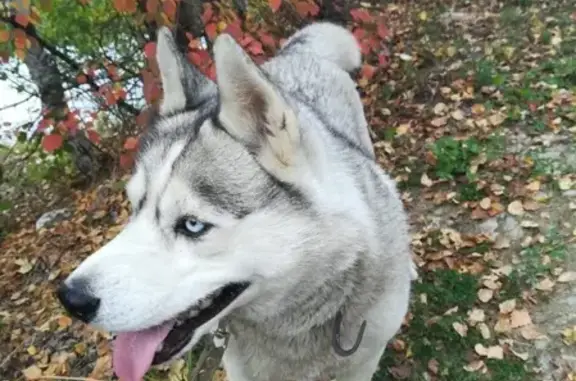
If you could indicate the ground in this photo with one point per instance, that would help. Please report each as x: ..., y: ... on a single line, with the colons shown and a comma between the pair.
x: 475, y: 118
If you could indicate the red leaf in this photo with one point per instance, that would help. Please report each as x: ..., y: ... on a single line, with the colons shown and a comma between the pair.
x: 234, y: 30
x: 20, y: 38
x: 81, y: 79
x: 360, y: 14
x: 45, y: 122
x: 532, y: 106
x: 151, y: 89
x: 199, y: 58
x: 382, y: 60
x: 126, y: 160
x: 128, y: 6
x: 150, y: 49
x: 22, y: 19
x: 52, y: 142
x: 169, y: 7
x: 255, y: 48
x: 211, y: 30
x: 359, y: 33
x: 267, y: 39
x: 152, y: 7
x: 306, y: 8
x: 367, y: 71
x: 142, y: 118
x: 275, y: 4
x: 131, y: 144
x: 365, y: 47
x: 246, y: 40
x: 208, y: 13
x: 211, y: 72
x: 93, y: 136
x: 382, y: 31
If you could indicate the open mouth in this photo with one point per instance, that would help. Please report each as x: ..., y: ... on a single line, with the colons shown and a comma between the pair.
x: 135, y: 352
x: 187, y: 322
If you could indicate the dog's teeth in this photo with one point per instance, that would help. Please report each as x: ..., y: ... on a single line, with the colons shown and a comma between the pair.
x: 193, y: 312
x: 160, y: 346
x: 178, y: 322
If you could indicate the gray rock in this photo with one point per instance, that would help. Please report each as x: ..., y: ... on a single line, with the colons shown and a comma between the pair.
x: 52, y: 217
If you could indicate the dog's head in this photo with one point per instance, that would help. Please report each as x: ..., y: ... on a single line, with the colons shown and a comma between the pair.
x: 225, y: 215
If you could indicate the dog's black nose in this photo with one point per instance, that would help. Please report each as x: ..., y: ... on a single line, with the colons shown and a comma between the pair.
x: 78, y: 302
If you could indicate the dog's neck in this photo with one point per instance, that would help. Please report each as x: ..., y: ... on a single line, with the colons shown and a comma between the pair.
x: 314, y: 311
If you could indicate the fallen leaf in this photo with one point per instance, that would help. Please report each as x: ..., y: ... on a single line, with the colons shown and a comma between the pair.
x: 522, y: 356
x: 485, y: 203
x: 457, y: 115
x: 484, y: 330
x: 403, y: 129
x: 476, y: 315
x: 515, y: 208
x: 495, y: 352
x: 566, y: 277
x: 520, y: 318
x: 545, y: 284
x: 425, y: 180
x: 507, y: 306
x: 32, y: 372
x: 530, y: 332
x: 461, y: 329
x: 485, y: 294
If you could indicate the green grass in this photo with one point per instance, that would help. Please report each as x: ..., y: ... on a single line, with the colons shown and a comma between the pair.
x: 431, y: 337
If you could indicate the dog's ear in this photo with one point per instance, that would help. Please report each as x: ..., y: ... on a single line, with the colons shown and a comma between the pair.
x: 184, y: 86
x: 253, y: 111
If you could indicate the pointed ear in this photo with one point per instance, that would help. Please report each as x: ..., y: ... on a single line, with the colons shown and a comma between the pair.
x: 184, y: 86
x: 252, y: 110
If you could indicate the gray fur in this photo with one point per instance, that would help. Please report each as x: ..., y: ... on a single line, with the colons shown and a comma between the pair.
x: 280, y: 160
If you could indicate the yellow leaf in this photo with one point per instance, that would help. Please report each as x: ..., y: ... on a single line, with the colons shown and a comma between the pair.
x: 31, y: 350
x: 32, y: 372
x: 64, y: 321
x: 450, y: 51
x: 423, y: 16
x: 485, y: 203
x: 402, y: 129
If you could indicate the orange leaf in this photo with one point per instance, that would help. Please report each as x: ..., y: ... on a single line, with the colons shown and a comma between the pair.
x: 275, y: 4
x: 152, y: 7
x: 20, y: 39
x: 368, y: 71
x: 128, y: 6
x: 169, y: 8
x: 52, y: 142
x: 4, y: 35
x: 81, y: 79
x: 131, y: 144
x: 93, y: 136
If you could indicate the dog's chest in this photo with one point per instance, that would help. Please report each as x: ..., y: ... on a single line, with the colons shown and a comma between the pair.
x: 261, y: 360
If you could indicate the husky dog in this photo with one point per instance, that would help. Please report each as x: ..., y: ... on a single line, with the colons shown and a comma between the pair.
x: 257, y: 202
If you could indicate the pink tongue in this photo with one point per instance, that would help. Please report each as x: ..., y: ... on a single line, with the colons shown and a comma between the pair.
x: 133, y: 351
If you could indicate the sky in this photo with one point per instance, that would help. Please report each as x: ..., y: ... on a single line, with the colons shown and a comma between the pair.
x: 17, y: 115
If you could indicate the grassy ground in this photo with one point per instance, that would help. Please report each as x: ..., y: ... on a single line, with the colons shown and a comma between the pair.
x: 475, y: 118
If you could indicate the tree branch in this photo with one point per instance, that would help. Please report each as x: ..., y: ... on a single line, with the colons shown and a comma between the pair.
x: 69, y: 61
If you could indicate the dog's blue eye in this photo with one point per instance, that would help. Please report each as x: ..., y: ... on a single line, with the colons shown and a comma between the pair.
x: 192, y: 227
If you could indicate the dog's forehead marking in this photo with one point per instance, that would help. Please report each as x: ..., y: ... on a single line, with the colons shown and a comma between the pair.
x: 160, y: 177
